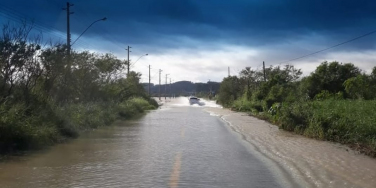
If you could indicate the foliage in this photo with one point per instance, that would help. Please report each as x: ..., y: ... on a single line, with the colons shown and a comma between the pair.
x: 335, y: 102
x: 343, y: 121
x: 133, y: 106
x: 329, y: 77
x: 229, y: 90
x: 360, y: 87
x: 47, y: 96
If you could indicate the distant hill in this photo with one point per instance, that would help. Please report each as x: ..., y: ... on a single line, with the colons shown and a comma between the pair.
x: 183, y: 88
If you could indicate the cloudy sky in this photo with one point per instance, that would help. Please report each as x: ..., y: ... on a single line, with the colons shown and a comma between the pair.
x: 197, y: 40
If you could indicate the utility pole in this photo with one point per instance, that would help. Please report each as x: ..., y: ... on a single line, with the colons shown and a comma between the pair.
x: 149, y: 81
x: 263, y: 66
x: 228, y: 71
x: 68, y: 26
x: 128, y: 58
x: 170, y: 88
x: 165, y: 95
x: 160, y: 84
x: 68, y: 36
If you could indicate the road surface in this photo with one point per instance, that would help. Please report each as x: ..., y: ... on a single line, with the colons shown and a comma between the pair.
x: 177, y: 145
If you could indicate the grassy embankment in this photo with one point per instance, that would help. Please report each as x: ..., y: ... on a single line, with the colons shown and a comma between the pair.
x: 25, y: 128
x: 350, y: 122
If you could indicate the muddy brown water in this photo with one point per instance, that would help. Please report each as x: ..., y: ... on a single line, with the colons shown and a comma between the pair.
x: 312, y: 163
x: 182, y: 145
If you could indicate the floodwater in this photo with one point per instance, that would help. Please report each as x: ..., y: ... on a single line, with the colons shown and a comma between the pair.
x: 311, y: 163
x: 176, y: 146
x: 182, y: 145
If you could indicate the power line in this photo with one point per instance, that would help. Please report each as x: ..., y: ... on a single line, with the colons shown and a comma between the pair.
x: 15, y: 16
x: 18, y: 17
x: 342, y: 43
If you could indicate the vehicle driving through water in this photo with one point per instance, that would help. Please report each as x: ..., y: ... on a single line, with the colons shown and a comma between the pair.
x: 193, y: 100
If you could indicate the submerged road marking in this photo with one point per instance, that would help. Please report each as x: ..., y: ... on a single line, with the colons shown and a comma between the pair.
x: 175, y: 175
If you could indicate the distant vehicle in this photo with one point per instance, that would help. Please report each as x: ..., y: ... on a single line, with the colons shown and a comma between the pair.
x: 193, y: 100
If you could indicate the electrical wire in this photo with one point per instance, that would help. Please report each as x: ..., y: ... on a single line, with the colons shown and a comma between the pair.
x: 15, y: 16
x: 41, y: 27
x: 342, y: 43
x: 59, y: 6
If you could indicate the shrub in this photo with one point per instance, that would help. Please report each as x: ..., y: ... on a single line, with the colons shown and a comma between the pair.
x: 133, y: 106
x: 344, y: 121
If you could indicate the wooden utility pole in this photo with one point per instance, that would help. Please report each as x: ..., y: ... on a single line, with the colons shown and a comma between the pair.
x: 68, y: 36
x: 68, y: 27
x: 128, y: 58
x: 149, y: 81
x: 228, y: 71
x: 160, y: 71
x: 263, y: 67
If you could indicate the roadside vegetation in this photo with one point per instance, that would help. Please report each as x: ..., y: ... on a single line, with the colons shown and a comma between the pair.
x: 47, y: 96
x: 336, y: 102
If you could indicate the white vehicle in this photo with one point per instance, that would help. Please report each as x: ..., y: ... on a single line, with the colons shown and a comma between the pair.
x: 194, y: 100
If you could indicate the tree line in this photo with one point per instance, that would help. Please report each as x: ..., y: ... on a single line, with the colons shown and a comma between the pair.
x: 336, y: 102
x: 47, y: 96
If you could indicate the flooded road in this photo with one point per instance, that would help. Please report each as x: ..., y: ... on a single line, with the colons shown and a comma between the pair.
x: 176, y: 146
x: 180, y: 145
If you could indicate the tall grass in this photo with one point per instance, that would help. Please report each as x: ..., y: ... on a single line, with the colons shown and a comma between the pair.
x: 244, y: 105
x: 22, y: 127
x: 346, y: 121
x: 351, y: 122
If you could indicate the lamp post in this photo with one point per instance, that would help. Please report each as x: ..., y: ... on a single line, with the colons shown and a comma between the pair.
x: 102, y: 19
x: 139, y: 58
x: 70, y: 45
x: 149, y: 70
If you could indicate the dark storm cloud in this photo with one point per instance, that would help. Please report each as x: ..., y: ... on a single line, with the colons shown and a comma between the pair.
x: 244, y: 22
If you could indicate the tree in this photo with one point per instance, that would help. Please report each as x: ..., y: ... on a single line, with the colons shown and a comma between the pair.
x: 360, y: 87
x: 229, y: 90
x: 18, y: 62
x: 329, y: 77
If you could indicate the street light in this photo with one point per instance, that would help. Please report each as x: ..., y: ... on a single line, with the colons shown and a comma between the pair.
x: 139, y: 58
x: 103, y: 19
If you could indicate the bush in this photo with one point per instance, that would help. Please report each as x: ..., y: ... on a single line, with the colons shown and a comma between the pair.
x: 344, y: 121
x: 244, y: 105
x: 295, y: 116
x: 134, y: 106
x: 22, y: 128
